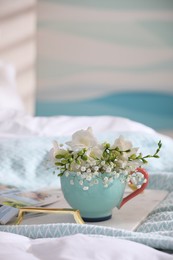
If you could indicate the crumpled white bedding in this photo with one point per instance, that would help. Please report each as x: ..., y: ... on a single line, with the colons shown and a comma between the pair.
x: 79, y: 246
x: 32, y: 138
x: 15, y: 123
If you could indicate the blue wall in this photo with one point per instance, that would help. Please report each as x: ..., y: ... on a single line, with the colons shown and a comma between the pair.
x: 106, y: 57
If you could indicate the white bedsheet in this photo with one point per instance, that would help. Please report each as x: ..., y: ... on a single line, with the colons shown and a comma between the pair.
x: 77, y: 247
x: 15, y: 123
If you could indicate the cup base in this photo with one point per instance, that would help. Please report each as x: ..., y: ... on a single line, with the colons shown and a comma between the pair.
x: 97, y: 219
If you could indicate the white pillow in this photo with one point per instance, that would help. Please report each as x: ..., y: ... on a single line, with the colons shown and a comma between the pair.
x: 9, y: 97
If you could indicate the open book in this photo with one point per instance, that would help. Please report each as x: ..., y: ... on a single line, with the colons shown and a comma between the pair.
x: 12, y: 198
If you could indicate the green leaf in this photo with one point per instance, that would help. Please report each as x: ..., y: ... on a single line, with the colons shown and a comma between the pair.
x: 78, y: 161
x: 127, y: 151
x: 133, y: 156
x: 58, y: 164
x: 84, y: 157
x: 64, y: 161
x: 59, y: 156
x: 81, y: 152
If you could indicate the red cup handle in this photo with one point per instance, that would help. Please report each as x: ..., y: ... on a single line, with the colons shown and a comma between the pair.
x: 138, y: 191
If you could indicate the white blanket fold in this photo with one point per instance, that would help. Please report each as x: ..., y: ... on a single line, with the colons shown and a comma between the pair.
x: 75, y: 247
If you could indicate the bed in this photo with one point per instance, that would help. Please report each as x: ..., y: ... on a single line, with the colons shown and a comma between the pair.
x: 24, y: 143
x: 34, y: 135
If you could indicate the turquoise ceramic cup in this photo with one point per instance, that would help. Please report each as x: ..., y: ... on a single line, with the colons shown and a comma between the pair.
x: 97, y: 202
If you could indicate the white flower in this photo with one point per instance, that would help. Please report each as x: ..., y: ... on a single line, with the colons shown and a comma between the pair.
x: 96, y: 168
x: 72, y: 182
x: 103, y: 163
x: 108, y: 169
x: 89, y: 159
x: 57, y: 150
x: 82, y: 139
x: 85, y: 188
x: 81, y: 182
x: 55, y: 146
x: 96, y: 151
x: 54, y: 150
x: 122, y: 144
x: 106, y: 179
x: 89, y: 177
x: 83, y: 169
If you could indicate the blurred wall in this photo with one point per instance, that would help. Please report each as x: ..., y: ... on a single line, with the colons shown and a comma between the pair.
x: 91, y: 49
x: 18, y: 45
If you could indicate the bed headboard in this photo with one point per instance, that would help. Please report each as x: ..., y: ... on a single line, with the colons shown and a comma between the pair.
x: 18, y: 44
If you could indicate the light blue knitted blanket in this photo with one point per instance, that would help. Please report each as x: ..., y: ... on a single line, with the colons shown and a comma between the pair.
x: 23, y: 164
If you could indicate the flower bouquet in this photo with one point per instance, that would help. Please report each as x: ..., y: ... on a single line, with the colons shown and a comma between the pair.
x: 87, y: 166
